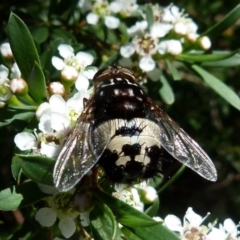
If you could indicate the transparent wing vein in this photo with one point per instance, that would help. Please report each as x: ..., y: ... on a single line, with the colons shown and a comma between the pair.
x: 182, y: 147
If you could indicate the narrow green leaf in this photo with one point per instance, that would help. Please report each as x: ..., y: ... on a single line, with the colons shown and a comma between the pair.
x: 37, y: 168
x: 232, y: 61
x: 225, y: 23
x: 153, y: 209
x: 20, y: 196
x: 196, y: 57
x: 166, y: 91
x: 16, y: 167
x: 221, y: 88
x: 36, y: 84
x: 149, y: 15
x: 175, y: 74
x: 22, y: 45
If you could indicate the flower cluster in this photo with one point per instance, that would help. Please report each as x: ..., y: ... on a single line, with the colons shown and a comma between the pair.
x: 193, y: 227
x: 107, y: 12
x: 136, y: 195
x: 170, y: 34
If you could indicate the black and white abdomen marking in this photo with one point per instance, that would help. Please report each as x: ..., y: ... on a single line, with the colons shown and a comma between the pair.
x: 133, y: 152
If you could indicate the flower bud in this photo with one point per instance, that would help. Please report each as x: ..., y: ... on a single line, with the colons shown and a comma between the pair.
x: 56, y: 88
x: 69, y: 76
x: 19, y: 86
x: 180, y: 28
x: 148, y: 195
x: 2, y: 104
x: 205, y: 42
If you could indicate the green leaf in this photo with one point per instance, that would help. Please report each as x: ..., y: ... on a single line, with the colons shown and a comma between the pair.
x: 123, y: 211
x: 153, y: 209
x: 20, y: 196
x: 103, y: 223
x: 36, y: 84
x: 16, y: 167
x: 221, y: 88
x: 149, y: 15
x: 173, y: 70
x: 26, y: 56
x: 37, y: 168
x: 26, y: 116
x: 225, y: 23
x: 125, y: 214
x: 166, y: 91
x: 129, y: 235
x: 232, y: 61
x: 158, y: 232
x: 22, y: 45
x: 40, y: 34
x: 200, y: 57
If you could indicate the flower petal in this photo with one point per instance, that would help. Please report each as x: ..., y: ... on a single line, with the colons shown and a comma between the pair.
x: 58, y: 63
x: 193, y: 218
x: 82, y: 82
x: 67, y: 227
x: 111, y: 22
x: 58, y: 104
x: 173, y: 223
x: 230, y: 227
x: 59, y: 122
x: 65, y: 50
x: 127, y: 50
x: 147, y: 64
x: 85, y: 219
x: 25, y: 141
x: 85, y: 58
x: 92, y: 18
x: 46, y: 216
x: 50, y: 149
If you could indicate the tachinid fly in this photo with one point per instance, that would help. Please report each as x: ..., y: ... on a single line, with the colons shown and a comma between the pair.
x: 126, y: 134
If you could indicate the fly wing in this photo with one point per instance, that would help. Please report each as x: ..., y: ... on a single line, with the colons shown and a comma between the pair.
x: 76, y: 157
x: 182, y: 147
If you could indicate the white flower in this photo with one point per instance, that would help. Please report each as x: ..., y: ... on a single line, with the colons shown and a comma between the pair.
x: 6, y: 50
x: 126, y: 7
x: 71, y: 65
x: 25, y: 141
x: 128, y: 195
x: 226, y: 231
x: 191, y: 228
x: 102, y: 10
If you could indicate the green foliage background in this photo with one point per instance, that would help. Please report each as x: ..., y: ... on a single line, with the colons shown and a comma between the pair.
x: 201, y: 112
